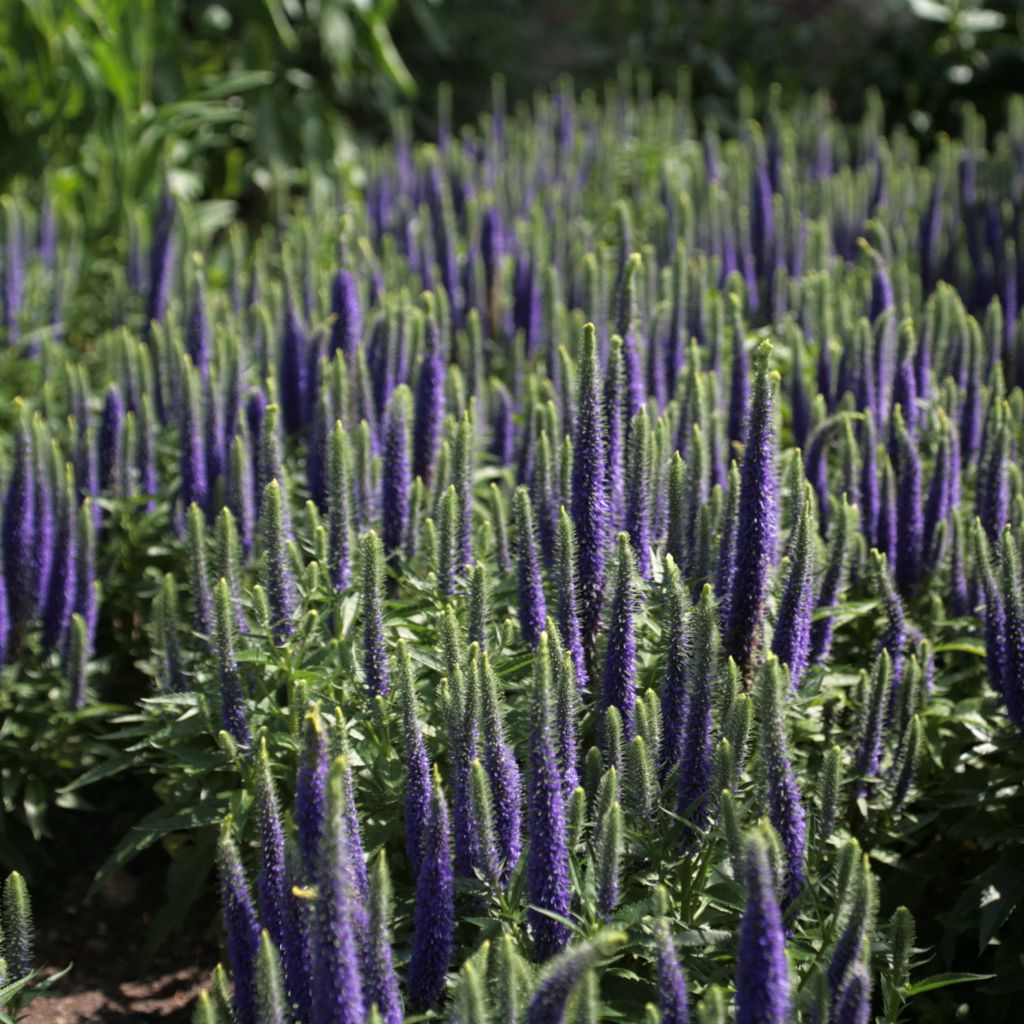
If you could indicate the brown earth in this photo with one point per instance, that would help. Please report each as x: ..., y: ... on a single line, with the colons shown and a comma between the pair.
x: 104, y: 939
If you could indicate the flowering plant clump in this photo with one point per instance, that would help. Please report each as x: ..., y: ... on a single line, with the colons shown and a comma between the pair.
x: 569, y: 580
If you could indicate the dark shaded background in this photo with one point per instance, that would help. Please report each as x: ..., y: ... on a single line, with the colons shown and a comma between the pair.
x: 245, y: 102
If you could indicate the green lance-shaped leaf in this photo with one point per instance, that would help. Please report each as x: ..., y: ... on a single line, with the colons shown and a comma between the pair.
x: 271, y: 1002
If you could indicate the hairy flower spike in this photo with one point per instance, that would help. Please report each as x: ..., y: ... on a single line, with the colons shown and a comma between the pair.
x: 547, y: 869
x: 276, y: 573
x: 311, y: 791
x: 791, y: 642
x: 762, y: 973
x: 785, y: 804
x: 397, y: 478
x: 620, y: 667
x: 232, y: 699
x: 755, y: 520
x: 380, y: 982
x: 242, y: 932
x: 559, y: 980
x: 673, y: 999
x: 590, y: 513
x: 502, y: 770
x: 695, y: 753
x: 434, y: 915
x: 375, y: 658
x: 337, y: 981
x: 429, y: 414
x: 16, y: 935
x: 532, y: 604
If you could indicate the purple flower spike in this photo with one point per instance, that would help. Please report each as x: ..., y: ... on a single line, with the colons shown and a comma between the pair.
x: 503, y: 771
x: 547, y: 869
x: 854, y: 1003
x: 397, y: 478
x: 620, y: 667
x: 532, y: 605
x: 197, y: 335
x: 674, y: 682
x: 277, y: 912
x: 110, y: 439
x: 375, y: 657
x: 347, y: 331
x: 430, y: 402
x: 194, y: 483
x: 5, y: 616
x: 337, y: 983
x: 792, y: 639
x: 311, y: 791
x: 20, y: 573
x: 434, y: 913
x: 161, y: 260
x: 293, y: 370
x: 909, y: 518
x: 380, y: 981
x: 756, y: 520
x: 242, y: 932
x: 785, y: 804
x: 568, y: 615
x: 560, y: 980
x: 695, y: 747
x: 762, y: 974
x: 673, y: 1000
x: 590, y: 513
x: 417, y: 766
x: 616, y: 421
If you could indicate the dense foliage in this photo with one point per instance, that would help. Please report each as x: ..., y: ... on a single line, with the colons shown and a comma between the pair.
x: 577, y: 576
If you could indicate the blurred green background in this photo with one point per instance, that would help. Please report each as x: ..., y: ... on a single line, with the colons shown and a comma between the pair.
x: 242, y: 102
